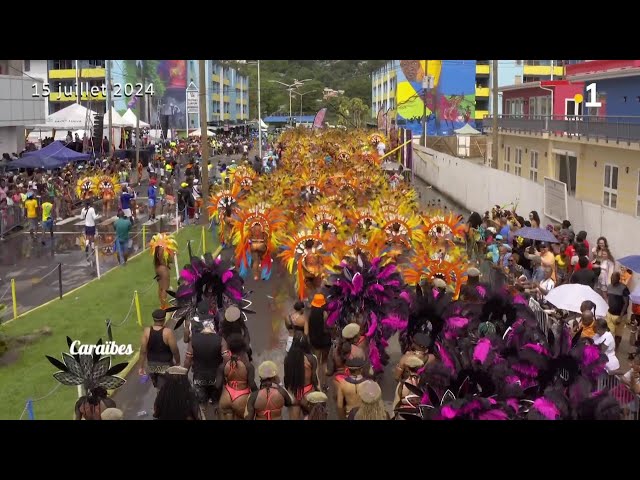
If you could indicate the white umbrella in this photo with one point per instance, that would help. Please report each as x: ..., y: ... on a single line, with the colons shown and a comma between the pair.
x: 571, y: 295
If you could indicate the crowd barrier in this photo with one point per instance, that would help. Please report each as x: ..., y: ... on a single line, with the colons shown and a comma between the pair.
x: 11, y: 216
x: 111, y: 326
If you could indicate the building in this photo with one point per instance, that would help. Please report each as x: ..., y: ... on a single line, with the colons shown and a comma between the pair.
x: 463, y: 96
x: 18, y: 105
x: 63, y: 77
x: 39, y: 69
x: 227, y: 94
x: 596, y: 157
x: 541, y: 98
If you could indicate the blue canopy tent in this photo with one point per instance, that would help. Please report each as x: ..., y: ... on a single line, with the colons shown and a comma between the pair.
x: 54, y: 155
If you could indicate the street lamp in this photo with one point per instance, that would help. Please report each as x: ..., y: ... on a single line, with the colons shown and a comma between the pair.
x: 259, y: 112
x: 291, y: 88
x: 302, y: 95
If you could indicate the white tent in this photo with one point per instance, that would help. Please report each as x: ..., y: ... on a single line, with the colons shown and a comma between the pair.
x: 73, y: 117
x: 467, y: 130
x: 464, y: 135
x: 130, y: 119
x: 198, y: 133
x: 116, y: 119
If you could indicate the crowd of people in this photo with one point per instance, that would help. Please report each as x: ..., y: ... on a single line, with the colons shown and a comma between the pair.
x: 369, y: 265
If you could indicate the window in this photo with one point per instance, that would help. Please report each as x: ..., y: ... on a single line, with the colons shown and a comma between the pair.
x: 638, y: 197
x: 27, y: 65
x: 610, y: 186
x: 533, y: 101
x: 517, y: 167
x: 507, y: 159
x: 63, y: 64
x: 533, y: 168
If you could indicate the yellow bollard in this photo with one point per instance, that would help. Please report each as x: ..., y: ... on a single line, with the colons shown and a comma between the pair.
x: 204, y: 241
x: 13, y: 296
x: 137, y: 300
x: 144, y: 237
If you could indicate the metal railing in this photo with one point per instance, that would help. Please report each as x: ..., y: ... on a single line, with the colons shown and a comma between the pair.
x: 11, y: 216
x: 629, y: 401
x: 626, y: 129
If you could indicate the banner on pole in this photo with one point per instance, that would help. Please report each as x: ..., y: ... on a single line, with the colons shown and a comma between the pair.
x: 192, y: 99
x: 319, y: 120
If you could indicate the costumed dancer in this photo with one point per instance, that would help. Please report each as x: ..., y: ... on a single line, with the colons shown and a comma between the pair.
x: 86, y: 188
x: 372, y: 295
x: 163, y: 248
x: 109, y: 188
x: 402, y: 232
x: 254, y: 239
x: 95, y: 375
x: 222, y: 206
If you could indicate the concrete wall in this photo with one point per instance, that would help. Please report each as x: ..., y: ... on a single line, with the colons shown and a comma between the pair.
x: 10, y: 140
x: 17, y: 106
x: 479, y: 188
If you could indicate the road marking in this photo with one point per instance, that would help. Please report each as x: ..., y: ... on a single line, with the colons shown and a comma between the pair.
x: 67, y: 220
x: 157, y: 219
x: 82, y: 221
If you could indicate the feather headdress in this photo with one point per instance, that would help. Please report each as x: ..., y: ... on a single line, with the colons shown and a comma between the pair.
x: 167, y: 242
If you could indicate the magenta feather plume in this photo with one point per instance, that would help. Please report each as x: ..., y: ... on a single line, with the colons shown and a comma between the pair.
x: 218, y: 260
x: 376, y: 262
x: 383, y: 342
x: 374, y: 357
x: 526, y: 370
x: 590, y: 354
x: 188, y: 276
x: 436, y: 292
x: 513, y: 403
x: 511, y: 379
x: 235, y: 294
x: 375, y: 287
x: 546, y: 408
x: 395, y: 322
x: 493, y: 415
x: 357, y: 284
x: 481, y: 291
x: 446, y: 359
x: 456, y: 322
x: 481, y: 351
x: 373, y: 324
x: 457, y: 310
x: 332, y: 318
x: 536, y: 347
x: 332, y: 305
x: 387, y: 271
x: 226, y: 276
x: 447, y: 412
x: 393, y: 283
x: 405, y: 296
x: 519, y: 299
x: 425, y: 398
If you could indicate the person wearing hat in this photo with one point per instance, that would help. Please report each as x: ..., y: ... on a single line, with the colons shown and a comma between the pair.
x: 347, y: 387
x: 176, y: 398
x: 343, y: 350
x: 300, y: 374
x: 235, y: 380
x: 268, y: 401
x: 317, y: 406
x: 473, y: 276
x: 204, y: 353
x: 234, y: 323
x: 419, y: 348
x: 158, y: 348
x: 319, y: 336
x: 403, y: 396
x: 112, y: 414
x: 372, y: 406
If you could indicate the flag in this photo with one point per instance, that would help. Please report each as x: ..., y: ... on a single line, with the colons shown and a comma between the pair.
x: 319, y: 120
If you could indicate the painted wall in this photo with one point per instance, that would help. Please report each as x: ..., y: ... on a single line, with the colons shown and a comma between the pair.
x: 560, y: 94
x: 477, y: 188
x: 450, y: 104
x: 613, y: 91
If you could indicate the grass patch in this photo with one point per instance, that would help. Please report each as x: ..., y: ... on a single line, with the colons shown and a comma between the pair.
x: 81, y: 316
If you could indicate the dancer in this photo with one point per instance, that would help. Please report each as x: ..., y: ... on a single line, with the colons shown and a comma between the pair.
x: 163, y: 247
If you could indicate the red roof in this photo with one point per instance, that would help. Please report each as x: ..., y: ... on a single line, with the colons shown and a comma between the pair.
x: 599, y: 66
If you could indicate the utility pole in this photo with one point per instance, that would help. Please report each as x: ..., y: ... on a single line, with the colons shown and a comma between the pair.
x: 494, y: 118
x: 259, y: 117
x: 138, y: 75
x: 109, y: 107
x: 204, y: 163
x: 425, y: 89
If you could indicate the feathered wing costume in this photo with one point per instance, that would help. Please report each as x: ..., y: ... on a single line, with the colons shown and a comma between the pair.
x: 207, y: 277
x: 310, y: 263
x: 402, y: 233
x: 253, y: 235
x: 90, y: 371
x: 108, y: 187
x: 86, y: 188
x: 218, y: 204
x: 372, y: 295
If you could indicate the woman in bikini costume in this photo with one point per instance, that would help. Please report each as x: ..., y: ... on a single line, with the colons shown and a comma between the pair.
x: 344, y: 350
x: 300, y: 375
x: 236, y: 376
x: 317, y: 402
x: 404, y: 398
x: 163, y: 247
x: 268, y: 402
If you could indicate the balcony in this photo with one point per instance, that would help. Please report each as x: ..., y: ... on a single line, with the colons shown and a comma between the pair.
x: 482, y: 91
x: 66, y: 73
x: 482, y: 69
x: 618, y: 129
x: 542, y: 70
x: 480, y: 114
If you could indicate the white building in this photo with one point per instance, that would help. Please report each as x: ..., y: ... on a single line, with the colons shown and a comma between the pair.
x: 38, y: 69
x: 18, y: 105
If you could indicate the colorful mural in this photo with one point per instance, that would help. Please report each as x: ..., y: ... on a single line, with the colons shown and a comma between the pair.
x: 450, y: 101
x: 166, y: 107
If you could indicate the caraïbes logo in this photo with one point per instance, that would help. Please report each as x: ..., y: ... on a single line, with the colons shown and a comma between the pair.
x: 85, y: 365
